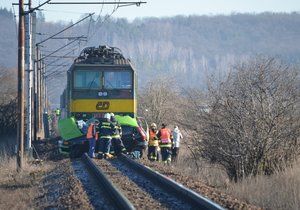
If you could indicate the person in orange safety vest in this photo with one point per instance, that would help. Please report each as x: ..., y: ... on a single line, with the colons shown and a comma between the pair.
x: 92, y: 137
x: 165, y: 143
x: 153, y: 144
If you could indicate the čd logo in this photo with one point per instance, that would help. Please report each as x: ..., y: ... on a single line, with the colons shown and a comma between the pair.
x: 102, y: 105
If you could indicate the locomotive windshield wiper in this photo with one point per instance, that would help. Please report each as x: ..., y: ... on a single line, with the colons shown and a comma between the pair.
x: 90, y: 87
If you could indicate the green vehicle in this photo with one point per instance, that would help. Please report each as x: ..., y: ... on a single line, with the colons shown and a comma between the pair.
x: 73, y: 141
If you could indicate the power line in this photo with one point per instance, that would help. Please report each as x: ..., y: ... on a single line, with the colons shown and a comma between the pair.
x: 138, y: 3
x: 72, y: 51
x: 65, y: 29
x: 102, y: 22
x: 60, y: 56
x: 63, y: 11
x: 58, y: 66
x: 13, y: 8
x: 55, y: 51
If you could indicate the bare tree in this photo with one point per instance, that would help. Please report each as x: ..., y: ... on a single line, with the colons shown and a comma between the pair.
x: 8, y: 102
x: 158, y: 101
x: 251, y: 124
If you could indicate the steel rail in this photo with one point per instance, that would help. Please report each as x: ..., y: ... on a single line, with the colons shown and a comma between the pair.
x: 177, y: 189
x: 114, y: 193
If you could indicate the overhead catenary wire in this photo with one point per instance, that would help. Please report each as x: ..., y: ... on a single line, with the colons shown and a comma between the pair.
x: 15, y: 19
x: 65, y: 29
x: 138, y: 3
x: 59, y: 65
x: 58, y: 70
x: 64, y: 11
x: 91, y: 18
x: 101, y: 23
x: 61, y: 56
x: 54, y: 61
x: 55, y: 51
x: 52, y: 76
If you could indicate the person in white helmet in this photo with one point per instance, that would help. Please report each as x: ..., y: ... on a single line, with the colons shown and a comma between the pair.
x: 177, y: 136
x: 106, y: 128
x: 153, y: 144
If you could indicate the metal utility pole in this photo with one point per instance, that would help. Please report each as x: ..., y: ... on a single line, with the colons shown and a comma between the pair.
x: 33, y: 51
x: 38, y: 92
x: 21, y: 62
x: 28, y: 55
x: 36, y: 83
x: 40, y: 69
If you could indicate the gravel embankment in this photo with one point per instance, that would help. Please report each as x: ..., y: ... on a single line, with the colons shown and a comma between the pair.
x: 97, y: 196
x: 198, y: 186
x: 65, y: 184
x: 59, y: 187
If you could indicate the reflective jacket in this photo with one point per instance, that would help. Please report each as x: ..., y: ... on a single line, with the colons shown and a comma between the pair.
x: 91, y: 133
x: 106, y: 129
x: 117, y: 131
x: 164, y: 135
x: 153, y: 140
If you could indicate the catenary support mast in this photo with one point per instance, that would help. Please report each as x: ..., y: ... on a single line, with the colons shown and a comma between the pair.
x: 21, y: 62
x: 28, y: 60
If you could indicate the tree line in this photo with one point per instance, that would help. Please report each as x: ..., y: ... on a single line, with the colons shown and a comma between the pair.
x: 8, y: 101
x: 248, y: 122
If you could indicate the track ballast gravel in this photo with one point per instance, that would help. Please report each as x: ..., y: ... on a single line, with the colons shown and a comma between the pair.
x: 95, y: 193
x: 140, y: 191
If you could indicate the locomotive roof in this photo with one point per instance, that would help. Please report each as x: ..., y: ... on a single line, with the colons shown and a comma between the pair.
x: 102, y: 55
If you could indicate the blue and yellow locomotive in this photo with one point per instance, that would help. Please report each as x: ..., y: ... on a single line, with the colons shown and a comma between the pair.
x: 100, y: 80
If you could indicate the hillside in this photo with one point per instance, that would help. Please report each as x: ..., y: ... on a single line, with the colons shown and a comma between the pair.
x: 185, y: 48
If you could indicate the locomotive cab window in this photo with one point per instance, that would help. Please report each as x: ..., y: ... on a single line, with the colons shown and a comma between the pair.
x: 88, y: 80
x: 118, y: 80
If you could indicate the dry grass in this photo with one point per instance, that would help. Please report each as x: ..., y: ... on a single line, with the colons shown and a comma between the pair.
x: 212, y: 174
x: 279, y: 191
x: 17, y: 190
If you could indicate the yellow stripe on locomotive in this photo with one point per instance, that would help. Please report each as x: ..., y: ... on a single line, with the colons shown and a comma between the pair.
x: 95, y: 105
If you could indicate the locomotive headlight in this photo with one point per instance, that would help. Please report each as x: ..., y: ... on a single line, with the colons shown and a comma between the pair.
x: 102, y: 93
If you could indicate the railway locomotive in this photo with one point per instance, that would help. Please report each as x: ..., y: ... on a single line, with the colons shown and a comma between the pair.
x: 100, y: 80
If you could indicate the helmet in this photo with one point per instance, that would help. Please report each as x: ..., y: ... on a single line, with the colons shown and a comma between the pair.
x: 112, y: 114
x: 107, y: 116
x: 153, y: 125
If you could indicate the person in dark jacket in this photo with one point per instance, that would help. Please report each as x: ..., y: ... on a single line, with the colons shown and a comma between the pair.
x: 116, y: 140
x: 106, y: 129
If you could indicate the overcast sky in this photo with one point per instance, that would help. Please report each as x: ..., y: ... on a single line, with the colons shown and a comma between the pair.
x: 164, y: 8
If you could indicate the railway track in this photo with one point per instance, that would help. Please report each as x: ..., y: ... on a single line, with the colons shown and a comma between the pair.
x: 131, y: 185
x: 117, y: 199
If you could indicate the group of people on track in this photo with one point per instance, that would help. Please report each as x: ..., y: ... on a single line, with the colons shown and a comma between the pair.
x: 106, y: 135
x: 106, y: 138
x: 165, y: 142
